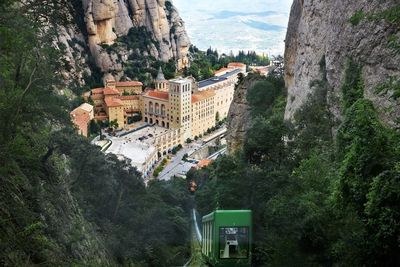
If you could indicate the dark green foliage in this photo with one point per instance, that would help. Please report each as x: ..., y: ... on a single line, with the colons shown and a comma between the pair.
x: 363, y: 145
x: 390, y: 16
x: 392, y: 86
x: 137, y: 66
x: 204, y: 64
x: 62, y: 201
x: 383, y: 217
x: 313, y: 122
x: 353, y: 86
x: 263, y: 94
x: 317, y: 200
x: 357, y: 17
x: 160, y: 168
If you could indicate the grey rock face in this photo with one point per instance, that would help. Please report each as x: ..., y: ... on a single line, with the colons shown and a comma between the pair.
x: 239, y: 117
x: 106, y: 20
x: 320, y: 28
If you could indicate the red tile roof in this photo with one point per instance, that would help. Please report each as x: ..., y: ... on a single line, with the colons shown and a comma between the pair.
x: 97, y: 91
x: 81, y: 119
x: 201, y: 95
x: 158, y: 94
x: 111, y: 91
x: 113, y: 102
x: 129, y: 83
x: 128, y: 97
x: 204, y: 163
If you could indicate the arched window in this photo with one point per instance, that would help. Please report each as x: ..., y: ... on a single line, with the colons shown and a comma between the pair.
x: 151, y: 121
x: 151, y: 108
x: 162, y: 110
x: 146, y: 119
x: 163, y: 124
x: 157, y: 108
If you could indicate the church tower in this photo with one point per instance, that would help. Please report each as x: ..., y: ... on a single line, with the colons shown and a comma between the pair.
x: 160, y: 82
x: 180, y: 100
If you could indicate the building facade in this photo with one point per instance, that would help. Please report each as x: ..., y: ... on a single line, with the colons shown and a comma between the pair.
x: 224, y: 88
x: 182, y: 106
x: 81, y: 117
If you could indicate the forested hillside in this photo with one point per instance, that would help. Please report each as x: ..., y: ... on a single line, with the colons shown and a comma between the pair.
x: 62, y: 202
x: 324, y: 184
x: 318, y: 199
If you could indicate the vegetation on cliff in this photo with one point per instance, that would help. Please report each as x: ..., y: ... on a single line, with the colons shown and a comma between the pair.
x: 318, y: 199
x: 62, y: 201
x: 205, y: 63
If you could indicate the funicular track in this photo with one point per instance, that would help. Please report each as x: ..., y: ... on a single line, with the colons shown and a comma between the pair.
x: 196, y: 257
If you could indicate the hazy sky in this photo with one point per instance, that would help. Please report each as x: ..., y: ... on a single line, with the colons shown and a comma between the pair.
x: 227, y: 25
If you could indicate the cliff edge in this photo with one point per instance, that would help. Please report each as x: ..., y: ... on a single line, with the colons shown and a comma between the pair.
x: 330, y: 33
x: 102, y: 24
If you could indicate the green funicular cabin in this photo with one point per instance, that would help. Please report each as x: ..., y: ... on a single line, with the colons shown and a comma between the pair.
x: 227, y: 238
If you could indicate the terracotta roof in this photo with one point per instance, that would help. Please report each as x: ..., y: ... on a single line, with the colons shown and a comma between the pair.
x: 97, y: 91
x: 86, y: 107
x: 201, y: 95
x: 129, y: 83
x: 221, y: 70
x: 158, y: 94
x: 204, y: 163
x: 111, y: 91
x: 128, y: 97
x: 80, y: 119
x: 113, y: 102
x: 236, y: 65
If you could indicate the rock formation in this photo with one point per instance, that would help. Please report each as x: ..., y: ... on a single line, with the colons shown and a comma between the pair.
x: 321, y: 32
x: 104, y: 21
x: 239, y: 119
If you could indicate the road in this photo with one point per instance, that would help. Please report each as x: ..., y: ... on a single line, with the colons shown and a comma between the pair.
x: 177, y: 166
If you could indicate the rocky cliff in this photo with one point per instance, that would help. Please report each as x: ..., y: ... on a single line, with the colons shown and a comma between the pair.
x: 330, y: 33
x: 239, y: 118
x: 104, y: 23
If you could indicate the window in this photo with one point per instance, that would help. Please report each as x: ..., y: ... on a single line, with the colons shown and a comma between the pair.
x: 233, y: 242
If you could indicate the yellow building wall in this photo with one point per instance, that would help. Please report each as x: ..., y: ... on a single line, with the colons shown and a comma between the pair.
x: 223, y: 99
x: 155, y: 115
x: 203, y: 116
x: 116, y: 113
x: 132, y: 104
x: 169, y: 140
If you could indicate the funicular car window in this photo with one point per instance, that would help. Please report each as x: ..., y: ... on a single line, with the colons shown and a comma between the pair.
x: 233, y: 242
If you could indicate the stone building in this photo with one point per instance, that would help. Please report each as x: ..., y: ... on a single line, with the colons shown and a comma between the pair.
x: 224, y: 87
x: 81, y: 117
x: 182, y: 106
x: 120, y: 101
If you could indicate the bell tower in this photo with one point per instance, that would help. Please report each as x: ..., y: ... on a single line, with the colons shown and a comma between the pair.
x: 180, y: 100
x: 160, y: 82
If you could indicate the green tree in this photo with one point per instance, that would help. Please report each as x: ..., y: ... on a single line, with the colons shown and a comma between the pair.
x: 114, y: 124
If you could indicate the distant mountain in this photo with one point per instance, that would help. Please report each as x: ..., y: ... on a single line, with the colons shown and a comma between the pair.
x: 259, y: 26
